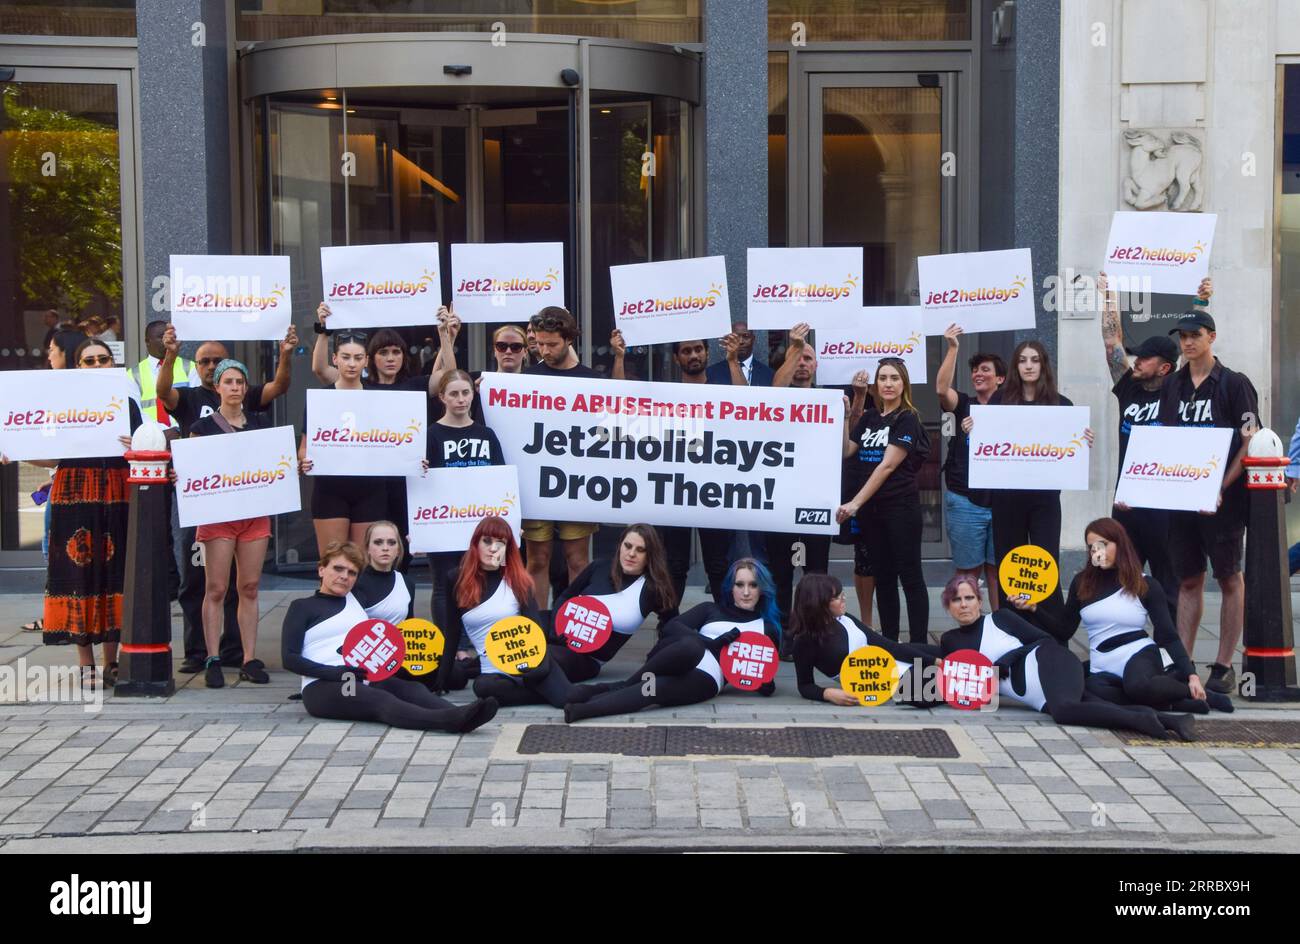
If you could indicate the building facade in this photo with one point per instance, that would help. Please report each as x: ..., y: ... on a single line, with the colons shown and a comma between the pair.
x: 630, y: 131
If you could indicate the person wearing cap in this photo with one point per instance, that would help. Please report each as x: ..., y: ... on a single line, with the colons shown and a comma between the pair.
x: 1137, y: 388
x: 1204, y: 393
x: 243, y: 540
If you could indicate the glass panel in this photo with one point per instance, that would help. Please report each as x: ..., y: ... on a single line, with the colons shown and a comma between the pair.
x: 1288, y: 407
x: 656, y: 21
x: 880, y: 189
x: 60, y: 246
x: 68, y: 18
x: 868, y: 20
x: 778, y: 80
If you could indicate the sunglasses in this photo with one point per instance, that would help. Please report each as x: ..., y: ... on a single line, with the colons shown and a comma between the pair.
x: 346, y: 337
x: 513, y: 347
x: 209, y: 361
x: 96, y: 360
x: 892, y: 361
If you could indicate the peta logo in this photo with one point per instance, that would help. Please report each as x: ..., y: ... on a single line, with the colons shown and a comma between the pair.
x: 76, y: 897
x: 812, y: 516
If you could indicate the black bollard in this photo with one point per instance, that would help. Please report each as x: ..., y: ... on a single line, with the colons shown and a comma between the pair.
x: 1270, y: 655
x: 145, y: 655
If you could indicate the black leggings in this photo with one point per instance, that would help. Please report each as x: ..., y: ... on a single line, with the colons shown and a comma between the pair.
x: 545, y: 685
x: 1149, y: 530
x: 668, y: 678
x: 394, y: 701
x: 892, y: 528
x: 1145, y: 682
x: 1069, y: 702
x: 780, y: 561
x: 715, y: 544
x: 1025, y: 516
x: 577, y: 666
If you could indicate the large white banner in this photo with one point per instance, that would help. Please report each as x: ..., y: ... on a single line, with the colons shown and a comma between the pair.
x: 230, y: 298
x: 1176, y: 467
x: 236, y: 476
x: 1159, y: 252
x: 678, y: 300
x: 889, y: 331
x: 981, y: 291
x: 385, y: 286
x: 818, y: 286
x: 761, y: 458
x: 505, y: 281
x: 444, y: 506
x: 64, y: 414
x: 1029, y: 447
x: 366, y: 432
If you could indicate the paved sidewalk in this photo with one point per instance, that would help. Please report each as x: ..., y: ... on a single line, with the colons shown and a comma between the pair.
x: 243, y: 768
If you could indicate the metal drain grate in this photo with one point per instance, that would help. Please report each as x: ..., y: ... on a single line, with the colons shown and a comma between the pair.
x: 1274, y: 734
x: 684, y: 740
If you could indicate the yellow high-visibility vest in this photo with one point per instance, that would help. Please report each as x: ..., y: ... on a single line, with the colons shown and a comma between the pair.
x: 143, y: 375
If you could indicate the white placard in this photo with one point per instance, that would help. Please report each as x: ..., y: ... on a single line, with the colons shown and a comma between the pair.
x: 1159, y: 252
x: 366, y: 432
x: 889, y: 331
x: 444, y: 506
x: 387, y: 286
x: 505, y: 281
x: 819, y: 286
x: 1029, y: 447
x: 218, y: 480
x: 64, y: 414
x: 981, y: 291
x: 230, y: 298
x: 679, y: 300
x: 665, y: 453
x: 1180, y: 468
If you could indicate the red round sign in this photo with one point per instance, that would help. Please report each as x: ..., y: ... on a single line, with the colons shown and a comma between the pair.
x: 750, y: 662
x: 375, y: 646
x: 584, y: 624
x: 967, y: 679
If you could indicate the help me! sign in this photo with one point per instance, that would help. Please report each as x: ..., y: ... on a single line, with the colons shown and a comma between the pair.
x: 750, y: 662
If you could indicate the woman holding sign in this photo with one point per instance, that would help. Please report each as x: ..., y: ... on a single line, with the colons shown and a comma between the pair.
x: 890, y: 445
x: 617, y: 593
x: 312, y: 638
x: 1113, y: 600
x: 88, y: 525
x: 492, y: 585
x: 344, y: 506
x: 824, y: 634
x: 683, y: 668
x: 1039, y: 672
x: 242, y: 541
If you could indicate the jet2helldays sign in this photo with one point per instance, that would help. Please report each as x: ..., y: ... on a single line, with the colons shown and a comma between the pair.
x: 819, y: 286
x: 1159, y: 252
x: 230, y: 298
x: 236, y: 476
x: 679, y: 300
x: 385, y: 286
x: 64, y: 414
x: 505, y: 281
x: 981, y: 291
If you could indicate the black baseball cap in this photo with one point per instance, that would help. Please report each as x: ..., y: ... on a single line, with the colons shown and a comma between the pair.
x: 1156, y: 346
x: 1191, y: 320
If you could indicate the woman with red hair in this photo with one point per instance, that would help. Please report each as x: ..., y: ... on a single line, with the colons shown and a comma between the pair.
x: 1113, y: 600
x: 493, y: 584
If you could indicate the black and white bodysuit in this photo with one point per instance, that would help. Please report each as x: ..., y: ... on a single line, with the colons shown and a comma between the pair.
x: 386, y: 595
x: 1124, y: 662
x: 628, y: 609
x: 311, y: 644
x: 546, y: 683
x: 682, y: 668
x: 1044, y: 675
x: 826, y: 653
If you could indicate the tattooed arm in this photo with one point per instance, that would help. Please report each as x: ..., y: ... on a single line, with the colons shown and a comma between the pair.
x: 1112, y: 331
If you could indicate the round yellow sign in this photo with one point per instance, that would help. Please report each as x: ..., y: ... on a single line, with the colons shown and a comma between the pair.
x: 870, y: 675
x: 424, y: 646
x: 515, y: 643
x: 1028, y: 572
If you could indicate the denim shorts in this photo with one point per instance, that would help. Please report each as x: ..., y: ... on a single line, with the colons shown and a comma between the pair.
x: 970, y: 532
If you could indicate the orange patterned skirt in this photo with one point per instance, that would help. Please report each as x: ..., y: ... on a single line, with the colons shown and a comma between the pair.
x: 88, y: 523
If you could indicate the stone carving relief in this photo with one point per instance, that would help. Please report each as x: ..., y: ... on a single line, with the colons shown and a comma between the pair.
x: 1163, y: 174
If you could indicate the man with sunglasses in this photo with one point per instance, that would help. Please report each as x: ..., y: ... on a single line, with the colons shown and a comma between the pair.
x: 189, y: 405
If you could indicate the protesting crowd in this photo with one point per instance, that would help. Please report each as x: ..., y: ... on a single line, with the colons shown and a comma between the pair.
x: 1144, y: 565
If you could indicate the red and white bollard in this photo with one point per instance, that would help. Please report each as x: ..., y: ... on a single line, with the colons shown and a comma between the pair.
x: 1270, y: 649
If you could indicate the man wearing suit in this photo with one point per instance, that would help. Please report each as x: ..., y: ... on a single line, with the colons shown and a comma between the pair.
x: 755, y: 372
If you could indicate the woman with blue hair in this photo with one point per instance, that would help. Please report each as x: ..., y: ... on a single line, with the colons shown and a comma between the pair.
x: 683, y: 667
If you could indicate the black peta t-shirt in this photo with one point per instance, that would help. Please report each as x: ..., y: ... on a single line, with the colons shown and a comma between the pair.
x: 873, y: 433
x: 452, y: 448
x: 1138, y: 406
x: 546, y: 370
x: 197, y: 402
x: 956, y: 467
